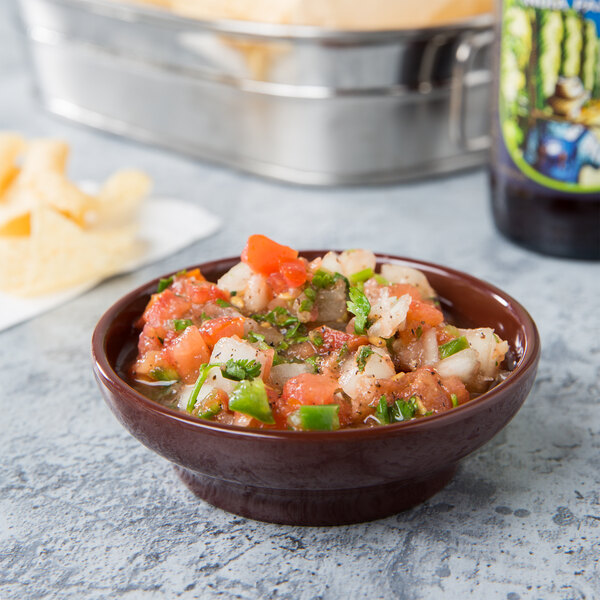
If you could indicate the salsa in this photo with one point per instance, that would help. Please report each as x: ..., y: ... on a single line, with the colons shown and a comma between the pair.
x: 280, y: 342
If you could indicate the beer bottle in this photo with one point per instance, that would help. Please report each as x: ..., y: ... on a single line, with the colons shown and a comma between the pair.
x: 545, y: 167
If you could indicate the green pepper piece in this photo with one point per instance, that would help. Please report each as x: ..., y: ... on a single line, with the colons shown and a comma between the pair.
x: 250, y: 398
x: 381, y: 280
x: 163, y: 284
x: 323, y: 417
x: 208, y: 407
x: 361, y: 275
x: 164, y: 374
x: 454, y: 399
x: 453, y: 346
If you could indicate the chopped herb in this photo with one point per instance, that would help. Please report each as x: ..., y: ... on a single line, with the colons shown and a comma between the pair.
x: 428, y: 413
x: 381, y: 280
x: 310, y: 293
x: 382, y: 413
x: 164, y: 374
x: 164, y: 283
x: 278, y: 360
x: 222, y: 303
x: 389, y: 344
x: 204, y: 317
x: 343, y: 351
x: 338, y: 276
x: 182, y: 324
x: 306, y: 305
x: 241, y: 369
x: 317, y: 339
x: 359, y: 306
x: 278, y: 317
x: 361, y: 357
x: 404, y: 410
x: 313, y: 361
x: 361, y: 276
x: 419, y: 332
x: 496, y: 338
x: 233, y: 293
x: 202, y: 375
x: 454, y: 399
x: 323, y: 279
x: 453, y: 346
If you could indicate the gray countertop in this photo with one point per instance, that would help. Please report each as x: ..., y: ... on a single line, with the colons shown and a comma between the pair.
x: 88, y: 512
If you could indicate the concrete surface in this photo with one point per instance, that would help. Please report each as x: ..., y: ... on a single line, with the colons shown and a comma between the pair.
x: 87, y: 512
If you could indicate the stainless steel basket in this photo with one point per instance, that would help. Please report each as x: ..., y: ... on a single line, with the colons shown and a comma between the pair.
x: 299, y: 104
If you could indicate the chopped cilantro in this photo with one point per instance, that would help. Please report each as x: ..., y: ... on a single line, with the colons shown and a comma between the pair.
x: 359, y: 306
x: 181, y: 324
x: 454, y: 399
x: 233, y: 293
x: 404, y: 410
x: 204, y: 317
x: 163, y: 284
x: 361, y: 357
x: 222, y: 303
x: 310, y: 293
x: 306, y: 305
x: 202, y: 375
x: 237, y: 370
x: 382, y: 413
x: 317, y: 339
x: 313, y: 361
x: 419, y: 331
x: 323, y: 279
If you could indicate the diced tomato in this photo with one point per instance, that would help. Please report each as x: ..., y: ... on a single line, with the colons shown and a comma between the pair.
x: 424, y: 383
x: 165, y: 306
x: 187, y: 352
x: 265, y: 256
x: 399, y: 289
x: 278, y: 283
x: 334, y: 339
x: 453, y: 385
x: 150, y: 339
x: 194, y: 274
x: 199, y: 292
x: 425, y: 313
x: 214, y: 329
x: 309, y: 388
x: 294, y: 272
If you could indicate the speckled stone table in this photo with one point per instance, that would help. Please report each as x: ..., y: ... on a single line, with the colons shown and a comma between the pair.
x: 88, y: 512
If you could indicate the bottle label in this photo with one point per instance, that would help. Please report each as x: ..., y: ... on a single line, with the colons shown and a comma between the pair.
x: 550, y: 91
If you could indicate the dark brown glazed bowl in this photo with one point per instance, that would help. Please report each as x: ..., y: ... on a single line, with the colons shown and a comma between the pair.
x: 323, y: 478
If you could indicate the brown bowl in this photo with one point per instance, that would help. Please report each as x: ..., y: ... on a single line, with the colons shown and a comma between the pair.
x: 331, y: 478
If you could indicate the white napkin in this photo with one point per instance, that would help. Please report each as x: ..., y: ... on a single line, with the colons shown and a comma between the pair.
x: 166, y: 225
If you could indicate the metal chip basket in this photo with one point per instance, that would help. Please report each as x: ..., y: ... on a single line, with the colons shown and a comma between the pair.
x: 298, y: 104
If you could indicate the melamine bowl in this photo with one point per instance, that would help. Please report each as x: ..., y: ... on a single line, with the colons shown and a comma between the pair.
x: 323, y: 478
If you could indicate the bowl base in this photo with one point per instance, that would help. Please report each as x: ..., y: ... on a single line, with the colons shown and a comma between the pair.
x: 315, y: 507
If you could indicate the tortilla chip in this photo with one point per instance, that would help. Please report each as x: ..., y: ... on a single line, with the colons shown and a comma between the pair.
x: 17, y: 226
x: 60, y: 254
x: 44, y: 155
x: 121, y: 195
x: 11, y: 147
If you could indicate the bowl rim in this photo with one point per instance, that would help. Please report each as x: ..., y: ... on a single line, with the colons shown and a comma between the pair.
x: 529, y: 360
